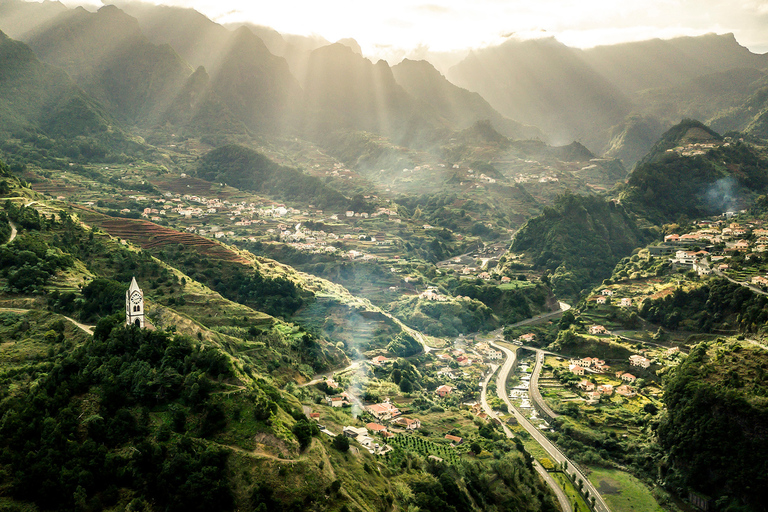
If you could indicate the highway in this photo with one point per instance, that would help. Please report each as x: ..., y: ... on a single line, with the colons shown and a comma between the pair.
x: 554, y: 453
x: 562, y: 498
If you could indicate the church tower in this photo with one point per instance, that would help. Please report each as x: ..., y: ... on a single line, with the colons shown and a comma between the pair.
x: 134, y: 305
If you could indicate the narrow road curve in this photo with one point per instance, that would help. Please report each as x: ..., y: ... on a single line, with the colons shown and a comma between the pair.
x: 543, y: 317
x: 553, y: 451
x: 533, y: 389
x: 741, y: 283
x: 320, y: 377
x: 562, y: 498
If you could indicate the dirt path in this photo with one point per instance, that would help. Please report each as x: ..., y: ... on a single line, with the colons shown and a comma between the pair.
x: 14, y: 232
x: 86, y: 328
x: 254, y: 453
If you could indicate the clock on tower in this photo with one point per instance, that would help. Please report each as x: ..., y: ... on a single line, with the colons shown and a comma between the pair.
x: 134, y: 305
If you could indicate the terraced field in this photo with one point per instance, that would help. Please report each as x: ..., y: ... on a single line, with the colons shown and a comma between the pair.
x: 149, y: 235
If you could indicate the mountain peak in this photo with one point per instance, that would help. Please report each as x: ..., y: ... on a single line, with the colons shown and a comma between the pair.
x: 352, y: 44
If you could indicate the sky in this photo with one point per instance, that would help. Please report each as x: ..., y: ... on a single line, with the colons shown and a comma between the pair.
x: 410, y: 26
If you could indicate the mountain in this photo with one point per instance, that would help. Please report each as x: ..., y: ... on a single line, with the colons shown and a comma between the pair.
x: 249, y: 170
x: 108, y: 56
x: 656, y: 63
x: 343, y: 90
x: 255, y: 85
x: 546, y: 84
x: 37, y: 96
x: 197, y: 39
x: 295, y: 49
x: 460, y: 107
x: 749, y: 115
x: 691, y: 171
x: 632, y: 138
x: 718, y: 393
x: 19, y: 17
x: 238, y: 84
x: 46, y: 120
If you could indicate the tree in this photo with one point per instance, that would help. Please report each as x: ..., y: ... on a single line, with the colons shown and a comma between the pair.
x: 341, y: 443
x: 476, y: 448
x: 303, y: 430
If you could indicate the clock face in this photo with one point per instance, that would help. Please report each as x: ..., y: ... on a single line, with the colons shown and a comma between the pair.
x: 136, y: 298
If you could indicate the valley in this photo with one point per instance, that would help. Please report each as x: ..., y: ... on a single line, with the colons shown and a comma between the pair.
x: 376, y: 287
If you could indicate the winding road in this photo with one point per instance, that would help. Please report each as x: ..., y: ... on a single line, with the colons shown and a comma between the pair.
x: 553, y: 451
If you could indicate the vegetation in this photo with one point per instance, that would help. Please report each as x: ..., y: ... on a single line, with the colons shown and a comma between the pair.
x: 444, y: 318
x: 247, y: 169
x: 670, y: 186
x: 96, y: 402
x: 579, y: 240
x: 718, y: 304
x: 718, y: 393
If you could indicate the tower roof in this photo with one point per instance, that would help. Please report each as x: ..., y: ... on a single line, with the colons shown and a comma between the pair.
x: 134, y: 286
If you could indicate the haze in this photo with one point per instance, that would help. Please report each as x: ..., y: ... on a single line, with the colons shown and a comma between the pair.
x: 404, y: 28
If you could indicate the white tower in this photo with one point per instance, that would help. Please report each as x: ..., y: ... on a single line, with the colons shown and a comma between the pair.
x: 134, y: 305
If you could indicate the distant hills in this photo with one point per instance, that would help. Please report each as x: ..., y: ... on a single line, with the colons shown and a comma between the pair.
x: 460, y: 107
x: 656, y: 63
x: 544, y: 83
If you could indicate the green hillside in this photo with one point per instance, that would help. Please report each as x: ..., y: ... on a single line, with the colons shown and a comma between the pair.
x: 579, y: 240
x: 47, y: 120
x: 691, y: 172
x: 718, y: 393
x: 249, y: 170
x: 36, y: 96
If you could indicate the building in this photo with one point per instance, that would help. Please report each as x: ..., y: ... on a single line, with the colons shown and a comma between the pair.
x: 407, y: 423
x: 606, y: 389
x: 602, y: 300
x: 527, y: 338
x: 375, y: 428
x: 134, y: 305
x: 597, y: 329
x: 627, y: 377
x: 576, y: 369
x: 642, y: 362
x: 337, y: 401
x: 354, y: 432
x: 626, y: 302
x: 444, y: 391
x: 586, y: 385
x: 384, y: 411
x: 455, y: 440
x: 607, y: 292
x: 626, y: 391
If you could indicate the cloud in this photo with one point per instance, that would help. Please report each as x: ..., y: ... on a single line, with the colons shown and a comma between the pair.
x: 434, y: 9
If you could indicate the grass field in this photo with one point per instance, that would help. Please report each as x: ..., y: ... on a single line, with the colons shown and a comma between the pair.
x: 622, y: 491
x: 513, y: 285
